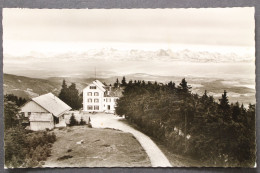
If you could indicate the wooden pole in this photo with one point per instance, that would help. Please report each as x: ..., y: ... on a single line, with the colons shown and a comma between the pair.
x: 95, y: 74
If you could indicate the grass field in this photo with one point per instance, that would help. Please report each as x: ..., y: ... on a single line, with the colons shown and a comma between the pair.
x: 100, y: 148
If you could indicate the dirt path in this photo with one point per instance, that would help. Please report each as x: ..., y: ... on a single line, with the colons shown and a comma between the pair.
x: 157, y: 158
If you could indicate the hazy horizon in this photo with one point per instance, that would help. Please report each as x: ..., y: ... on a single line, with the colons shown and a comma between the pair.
x: 169, y: 42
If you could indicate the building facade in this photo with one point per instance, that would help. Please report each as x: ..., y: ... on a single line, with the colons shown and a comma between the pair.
x: 45, y: 112
x: 98, y: 97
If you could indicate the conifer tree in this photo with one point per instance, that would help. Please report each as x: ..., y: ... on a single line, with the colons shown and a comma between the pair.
x: 224, y: 103
x: 130, y: 82
x: 70, y: 95
x: 73, y: 121
x: 171, y: 85
x: 116, y: 84
x: 224, y: 106
x: 205, y: 96
x: 64, y: 91
x: 236, y: 112
x: 82, y: 122
x: 123, y: 83
x: 73, y: 96
x: 184, y: 87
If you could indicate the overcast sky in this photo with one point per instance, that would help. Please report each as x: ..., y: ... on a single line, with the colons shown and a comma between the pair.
x: 60, y: 30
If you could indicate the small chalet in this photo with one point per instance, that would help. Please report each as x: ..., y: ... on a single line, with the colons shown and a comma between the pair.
x: 45, y: 112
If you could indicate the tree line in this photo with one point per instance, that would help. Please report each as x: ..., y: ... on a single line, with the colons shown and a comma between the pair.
x: 215, y: 132
x: 122, y: 84
x: 18, y: 100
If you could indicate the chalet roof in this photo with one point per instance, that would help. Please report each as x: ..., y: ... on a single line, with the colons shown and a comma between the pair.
x: 52, y: 104
x: 100, y: 85
x: 115, y: 92
x: 41, y: 117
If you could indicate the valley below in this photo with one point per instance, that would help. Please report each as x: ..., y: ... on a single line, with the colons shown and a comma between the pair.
x: 238, y: 89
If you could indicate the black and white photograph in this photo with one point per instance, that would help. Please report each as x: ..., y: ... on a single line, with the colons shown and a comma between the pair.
x: 170, y: 87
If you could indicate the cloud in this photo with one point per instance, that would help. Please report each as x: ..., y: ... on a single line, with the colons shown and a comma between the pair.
x: 215, y: 26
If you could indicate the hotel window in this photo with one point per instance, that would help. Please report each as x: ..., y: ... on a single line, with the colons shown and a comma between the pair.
x: 89, y: 100
x: 96, y: 94
x: 93, y: 87
x: 89, y: 93
x: 90, y: 107
x: 96, y: 100
x: 96, y: 107
x: 109, y: 100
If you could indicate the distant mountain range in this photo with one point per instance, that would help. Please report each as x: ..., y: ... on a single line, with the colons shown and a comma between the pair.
x: 113, y: 62
x: 185, y: 55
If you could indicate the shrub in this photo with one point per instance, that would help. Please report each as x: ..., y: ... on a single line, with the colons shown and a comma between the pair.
x: 73, y: 121
x: 27, y: 149
x: 82, y: 122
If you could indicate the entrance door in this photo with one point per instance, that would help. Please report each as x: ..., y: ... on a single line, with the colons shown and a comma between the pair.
x: 56, y: 120
x: 108, y: 107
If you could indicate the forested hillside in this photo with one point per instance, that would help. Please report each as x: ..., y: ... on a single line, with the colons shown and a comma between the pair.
x: 215, y: 132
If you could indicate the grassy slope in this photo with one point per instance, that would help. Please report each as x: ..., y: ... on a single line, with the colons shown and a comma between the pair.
x: 101, y: 148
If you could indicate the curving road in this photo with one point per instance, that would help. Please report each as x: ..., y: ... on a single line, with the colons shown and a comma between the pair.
x: 157, y: 158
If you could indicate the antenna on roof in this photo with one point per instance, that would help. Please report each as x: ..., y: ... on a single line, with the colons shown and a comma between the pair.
x: 95, y: 74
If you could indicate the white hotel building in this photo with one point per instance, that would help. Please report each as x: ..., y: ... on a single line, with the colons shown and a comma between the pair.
x: 100, y: 98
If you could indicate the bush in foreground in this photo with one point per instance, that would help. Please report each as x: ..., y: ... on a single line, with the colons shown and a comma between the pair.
x: 27, y: 149
x: 74, y: 122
